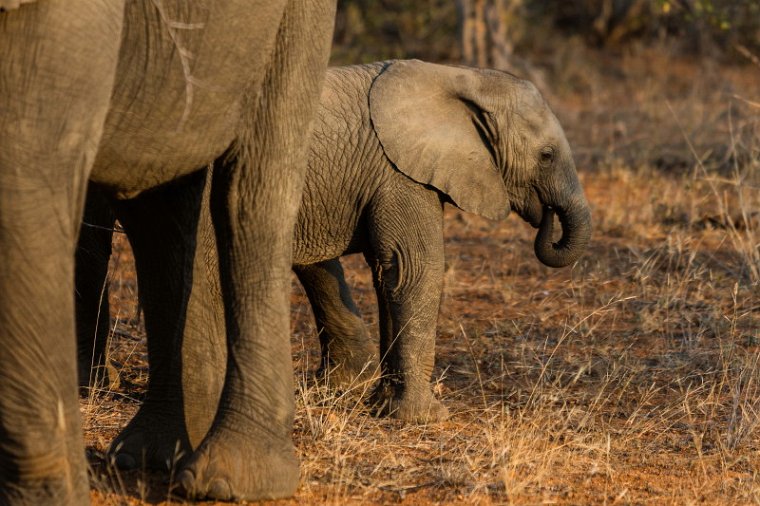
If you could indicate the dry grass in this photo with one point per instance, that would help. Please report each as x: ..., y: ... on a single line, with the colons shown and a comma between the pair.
x: 630, y: 378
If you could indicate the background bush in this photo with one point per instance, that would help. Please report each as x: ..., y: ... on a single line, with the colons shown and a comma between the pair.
x: 369, y: 30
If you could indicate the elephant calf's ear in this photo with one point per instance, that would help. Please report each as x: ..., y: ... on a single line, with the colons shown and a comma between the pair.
x: 425, y: 118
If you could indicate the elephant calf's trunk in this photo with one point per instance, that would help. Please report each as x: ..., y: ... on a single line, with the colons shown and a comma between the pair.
x: 576, y: 233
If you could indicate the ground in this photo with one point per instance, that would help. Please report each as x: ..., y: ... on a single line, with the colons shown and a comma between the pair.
x: 631, y: 377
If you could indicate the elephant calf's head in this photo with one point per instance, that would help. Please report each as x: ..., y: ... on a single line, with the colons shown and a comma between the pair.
x: 487, y: 140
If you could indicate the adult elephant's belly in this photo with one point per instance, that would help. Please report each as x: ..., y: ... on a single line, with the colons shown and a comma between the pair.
x: 182, y: 74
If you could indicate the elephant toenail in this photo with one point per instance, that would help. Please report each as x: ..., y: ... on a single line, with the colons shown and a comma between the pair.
x: 125, y: 461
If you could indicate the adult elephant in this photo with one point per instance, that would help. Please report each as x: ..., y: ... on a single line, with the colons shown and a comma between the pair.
x: 137, y: 96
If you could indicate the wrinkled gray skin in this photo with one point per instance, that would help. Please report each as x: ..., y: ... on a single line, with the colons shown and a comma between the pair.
x: 392, y: 142
x: 137, y: 97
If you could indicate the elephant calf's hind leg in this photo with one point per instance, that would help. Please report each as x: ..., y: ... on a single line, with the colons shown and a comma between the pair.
x: 349, y: 358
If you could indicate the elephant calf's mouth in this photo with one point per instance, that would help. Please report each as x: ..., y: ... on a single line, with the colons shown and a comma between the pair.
x: 532, y: 210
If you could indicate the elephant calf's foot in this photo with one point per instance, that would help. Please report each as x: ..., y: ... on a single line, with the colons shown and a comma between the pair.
x: 419, y: 407
x: 229, y: 466
x: 151, y: 442
x: 355, y: 372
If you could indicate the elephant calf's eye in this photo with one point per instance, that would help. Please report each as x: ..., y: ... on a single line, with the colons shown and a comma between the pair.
x: 547, y: 156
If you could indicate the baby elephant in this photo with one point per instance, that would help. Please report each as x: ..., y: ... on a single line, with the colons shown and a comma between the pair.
x: 394, y: 141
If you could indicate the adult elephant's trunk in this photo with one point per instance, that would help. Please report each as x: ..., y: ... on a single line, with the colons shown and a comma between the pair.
x: 576, y: 232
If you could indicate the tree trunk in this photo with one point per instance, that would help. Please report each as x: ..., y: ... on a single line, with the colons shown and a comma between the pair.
x: 486, y: 31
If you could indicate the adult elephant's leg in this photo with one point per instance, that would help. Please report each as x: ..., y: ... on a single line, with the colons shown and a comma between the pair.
x: 349, y: 358
x: 249, y: 453
x: 56, y: 75
x: 204, y: 345
x: 162, y: 226
x: 407, y: 262
x: 91, y: 292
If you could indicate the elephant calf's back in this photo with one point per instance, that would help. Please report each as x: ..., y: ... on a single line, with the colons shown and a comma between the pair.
x: 345, y: 170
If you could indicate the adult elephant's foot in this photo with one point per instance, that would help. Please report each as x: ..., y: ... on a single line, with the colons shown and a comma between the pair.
x: 151, y: 440
x: 412, y: 405
x: 53, y: 478
x: 230, y: 466
x: 56, y: 490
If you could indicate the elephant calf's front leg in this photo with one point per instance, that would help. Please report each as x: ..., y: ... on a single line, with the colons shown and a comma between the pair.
x: 408, y: 277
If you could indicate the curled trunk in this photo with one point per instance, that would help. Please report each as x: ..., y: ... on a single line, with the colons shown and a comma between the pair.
x: 576, y: 232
